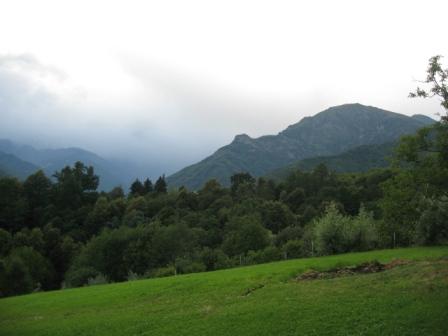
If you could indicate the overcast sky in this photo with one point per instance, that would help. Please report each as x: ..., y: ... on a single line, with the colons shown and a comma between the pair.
x: 175, y: 80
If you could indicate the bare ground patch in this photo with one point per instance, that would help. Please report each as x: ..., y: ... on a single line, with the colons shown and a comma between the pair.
x: 364, y: 268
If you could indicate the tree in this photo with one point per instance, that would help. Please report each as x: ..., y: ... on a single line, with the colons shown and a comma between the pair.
x: 432, y: 226
x: 13, y: 206
x: 137, y: 188
x: 295, y: 198
x: 245, y: 234
x: 437, y: 78
x: 427, y: 152
x: 147, y: 186
x: 116, y: 193
x: 276, y: 216
x: 75, y: 186
x: 240, y: 179
x: 37, y: 191
x: 329, y: 231
x: 16, y: 276
x: 160, y: 187
x: 425, y: 177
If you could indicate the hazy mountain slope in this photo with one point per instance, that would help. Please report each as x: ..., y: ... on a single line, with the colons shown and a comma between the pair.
x: 52, y: 160
x: 11, y: 165
x: 330, y: 132
x: 359, y: 159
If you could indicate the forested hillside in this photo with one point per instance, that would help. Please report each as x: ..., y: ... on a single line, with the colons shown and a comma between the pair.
x: 11, y: 165
x: 359, y: 159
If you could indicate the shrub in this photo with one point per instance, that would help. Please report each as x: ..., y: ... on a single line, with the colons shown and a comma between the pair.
x: 329, y: 231
x: 432, y: 226
x: 361, y: 233
x: 294, y: 249
x: 187, y: 265
x: 335, y: 233
x: 99, y: 279
x: 77, y: 277
x: 268, y: 254
x: 163, y: 272
x: 16, y: 277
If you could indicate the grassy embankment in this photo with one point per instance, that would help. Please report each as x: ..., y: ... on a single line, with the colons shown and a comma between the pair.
x: 410, y: 299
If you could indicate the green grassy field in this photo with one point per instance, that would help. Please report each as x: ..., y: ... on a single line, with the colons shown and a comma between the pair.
x: 410, y: 299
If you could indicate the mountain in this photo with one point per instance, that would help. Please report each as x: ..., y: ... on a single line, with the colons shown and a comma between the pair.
x: 330, y: 132
x: 359, y: 159
x: 424, y: 119
x: 52, y: 160
x: 10, y: 165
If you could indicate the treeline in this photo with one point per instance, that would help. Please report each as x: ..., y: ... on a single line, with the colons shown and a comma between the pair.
x: 63, y: 233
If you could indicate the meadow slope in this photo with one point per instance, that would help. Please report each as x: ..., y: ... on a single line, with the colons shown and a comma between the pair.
x: 410, y: 299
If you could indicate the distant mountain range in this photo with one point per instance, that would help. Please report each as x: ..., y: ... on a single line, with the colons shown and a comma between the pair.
x: 10, y: 165
x: 22, y: 160
x: 328, y: 133
x: 346, y: 138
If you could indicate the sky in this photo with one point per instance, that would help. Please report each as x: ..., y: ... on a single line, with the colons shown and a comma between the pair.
x: 166, y: 83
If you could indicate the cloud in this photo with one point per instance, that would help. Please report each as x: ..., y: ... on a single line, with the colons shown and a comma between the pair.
x: 28, y: 63
x: 206, y: 106
x: 170, y: 117
x: 40, y: 106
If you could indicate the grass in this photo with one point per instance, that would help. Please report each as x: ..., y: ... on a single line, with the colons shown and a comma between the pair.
x: 411, y: 299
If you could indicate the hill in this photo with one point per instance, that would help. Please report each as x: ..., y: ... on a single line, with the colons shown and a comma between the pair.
x: 409, y: 299
x: 52, y: 160
x: 10, y: 165
x: 330, y: 132
x: 359, y: 159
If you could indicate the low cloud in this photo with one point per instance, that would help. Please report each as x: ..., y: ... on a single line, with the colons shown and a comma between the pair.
x: 174, y: 117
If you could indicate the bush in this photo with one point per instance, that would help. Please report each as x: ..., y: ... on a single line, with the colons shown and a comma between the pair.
x: 215, y: 259
x: 288, y: 233
x: 361, y: 233
x: 39, y: 268
x: 270, y: 253
x: 329, y: 231
x: 432, y: 226
x: 163, y: 272
x: 99, y: 279
x: 294, y: 249
x: 335, y: 233
x: 134, y: 276
x: 186, y: 265
x: 77, y: 277
x: 246, y: 233
x: 16, y: 277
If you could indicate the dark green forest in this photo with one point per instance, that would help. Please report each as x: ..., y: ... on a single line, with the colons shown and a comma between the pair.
x: 61, y: 232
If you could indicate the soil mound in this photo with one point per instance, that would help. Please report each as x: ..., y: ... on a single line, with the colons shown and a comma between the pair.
x: 364, y: 268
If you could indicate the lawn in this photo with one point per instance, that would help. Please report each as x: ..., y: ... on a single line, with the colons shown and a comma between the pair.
x: 410, y: 299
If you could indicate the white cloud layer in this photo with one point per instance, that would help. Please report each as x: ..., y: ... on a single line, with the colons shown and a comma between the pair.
x: 167, y: 82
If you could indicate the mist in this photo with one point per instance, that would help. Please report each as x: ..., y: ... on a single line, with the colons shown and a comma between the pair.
x: 171, y: 83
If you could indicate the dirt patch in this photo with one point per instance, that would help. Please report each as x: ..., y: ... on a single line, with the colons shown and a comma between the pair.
x: 364, y: 268
x: 249, y: 291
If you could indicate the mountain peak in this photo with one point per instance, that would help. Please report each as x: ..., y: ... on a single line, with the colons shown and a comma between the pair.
x: 242, y: 138
x: 424, y: 119
x: 330, y: 132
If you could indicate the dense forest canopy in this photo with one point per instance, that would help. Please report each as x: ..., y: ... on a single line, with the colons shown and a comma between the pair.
x: 64, y: 233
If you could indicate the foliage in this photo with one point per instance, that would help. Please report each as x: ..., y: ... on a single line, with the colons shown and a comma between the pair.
x: 437, y: 78
x: 335, y: 233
